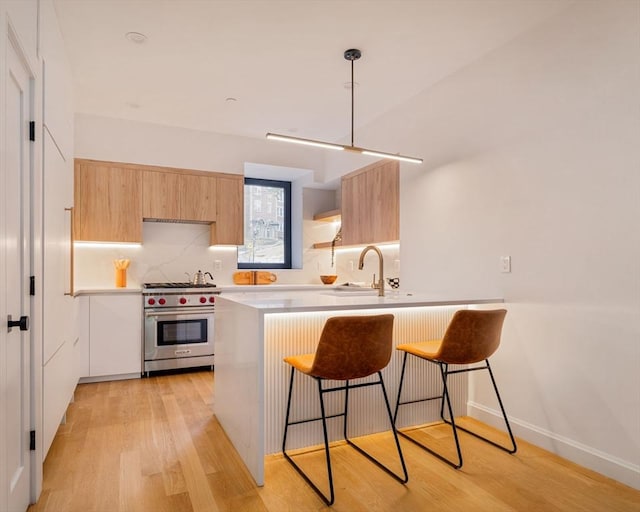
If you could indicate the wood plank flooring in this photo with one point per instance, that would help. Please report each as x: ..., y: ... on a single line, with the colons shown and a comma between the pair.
x: 153, y: 445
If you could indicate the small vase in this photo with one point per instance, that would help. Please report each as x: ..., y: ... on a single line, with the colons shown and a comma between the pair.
x: 121, y: 278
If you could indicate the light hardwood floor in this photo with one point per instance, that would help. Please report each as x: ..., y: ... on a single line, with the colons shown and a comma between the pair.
x: 153, y: 445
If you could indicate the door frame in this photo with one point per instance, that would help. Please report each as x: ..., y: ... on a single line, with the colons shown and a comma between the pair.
x: 34, y: 226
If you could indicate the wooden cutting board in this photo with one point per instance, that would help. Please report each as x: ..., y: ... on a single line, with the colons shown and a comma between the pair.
x: 254, y: 277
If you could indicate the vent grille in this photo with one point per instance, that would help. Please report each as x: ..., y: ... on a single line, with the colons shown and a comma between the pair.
x: 176, y: 221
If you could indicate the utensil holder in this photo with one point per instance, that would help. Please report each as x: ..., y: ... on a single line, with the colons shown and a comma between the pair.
x: 121, y: 278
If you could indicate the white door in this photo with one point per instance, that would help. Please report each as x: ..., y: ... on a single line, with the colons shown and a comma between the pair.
x: 15, y: 266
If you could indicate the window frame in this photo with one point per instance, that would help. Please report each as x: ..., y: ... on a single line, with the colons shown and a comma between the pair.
x: 286, y: 186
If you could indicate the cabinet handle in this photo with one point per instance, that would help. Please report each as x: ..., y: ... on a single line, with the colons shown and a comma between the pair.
x: 71, y: 291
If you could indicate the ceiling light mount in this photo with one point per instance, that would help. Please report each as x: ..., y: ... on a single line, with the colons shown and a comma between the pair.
x: 352, y: 55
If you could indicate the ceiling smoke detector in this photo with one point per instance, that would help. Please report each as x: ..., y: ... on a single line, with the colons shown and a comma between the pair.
x: 136, y: 37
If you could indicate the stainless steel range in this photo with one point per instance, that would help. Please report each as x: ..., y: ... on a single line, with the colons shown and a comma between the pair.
x: 178, y: 325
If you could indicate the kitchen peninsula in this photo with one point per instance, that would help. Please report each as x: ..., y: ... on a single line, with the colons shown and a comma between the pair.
x: 255, y: 331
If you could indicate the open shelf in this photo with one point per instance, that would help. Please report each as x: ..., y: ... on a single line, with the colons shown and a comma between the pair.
x: 330, y: 216
x: 325, y: 245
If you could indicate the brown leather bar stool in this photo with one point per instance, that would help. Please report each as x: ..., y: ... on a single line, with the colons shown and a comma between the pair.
x: 350, y: 348
x: 471, y: 337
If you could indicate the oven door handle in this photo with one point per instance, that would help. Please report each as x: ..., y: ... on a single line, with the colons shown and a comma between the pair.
x: 180, y: 312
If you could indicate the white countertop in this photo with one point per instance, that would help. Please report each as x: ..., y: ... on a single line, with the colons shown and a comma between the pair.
x: 103, y: 291
x: 225, y: 288
x: 330, y: 299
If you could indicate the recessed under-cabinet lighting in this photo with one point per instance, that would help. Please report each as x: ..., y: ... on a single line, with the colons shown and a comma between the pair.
x: 359, y: 248
x: 109, y: 245
x: 226, y: 248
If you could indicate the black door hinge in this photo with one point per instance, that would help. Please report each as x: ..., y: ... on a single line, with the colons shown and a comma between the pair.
x: 32, y: 285
x: 32, y: 440
x: 32, y: 131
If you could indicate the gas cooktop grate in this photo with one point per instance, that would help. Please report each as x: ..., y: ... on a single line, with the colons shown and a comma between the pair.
x: 178, y: 285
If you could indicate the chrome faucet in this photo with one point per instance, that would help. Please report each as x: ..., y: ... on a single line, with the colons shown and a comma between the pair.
x: 380, y: 284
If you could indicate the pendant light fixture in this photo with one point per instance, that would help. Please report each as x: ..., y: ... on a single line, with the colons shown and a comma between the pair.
x: 351, y: 55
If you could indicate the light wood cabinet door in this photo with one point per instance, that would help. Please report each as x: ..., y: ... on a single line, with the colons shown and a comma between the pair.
x: 108, y: 201
x: 198, y: 198
x: 160, y: 195
x: 229, y: 226
x: 174, y: 196
x: 370, y: 204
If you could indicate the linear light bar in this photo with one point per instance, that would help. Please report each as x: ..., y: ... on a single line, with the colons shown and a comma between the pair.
x: 306, y: 142
x: 351, y: 55
x: 341, y: 147
x: 393, y: 156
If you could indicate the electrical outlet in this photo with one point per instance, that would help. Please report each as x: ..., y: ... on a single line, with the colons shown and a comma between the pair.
x: 505, y: 264
x: 351, y: 265
x: 217, y: 264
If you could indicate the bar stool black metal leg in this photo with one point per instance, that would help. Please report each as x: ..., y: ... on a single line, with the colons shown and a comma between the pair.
x: 286, y: 422
x: 504, y: 414
x: 346, y: 409
x: 398, y: 403
x: 443, y: 388
x: 444, y: 398
x: 393, y: 429
x: 328, y: 500
x: 444, y: 372
x: 326, y: 448
x: 514, y: 447
x: 405, y: 478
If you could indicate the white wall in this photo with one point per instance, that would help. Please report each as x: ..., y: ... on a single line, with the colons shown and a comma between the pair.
x: 119, y: 140
x: 534, y: 152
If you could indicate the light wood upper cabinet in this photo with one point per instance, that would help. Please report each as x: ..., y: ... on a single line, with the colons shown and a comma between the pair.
x: 370, y: 204
x: 178, y: 196
x: 229, y: 226
x: 112, y: 199
x: 198, y: 198
x: 108, y: 202
x: 160, y: 195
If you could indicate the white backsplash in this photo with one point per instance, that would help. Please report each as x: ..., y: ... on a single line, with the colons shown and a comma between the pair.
x: 169, y: 250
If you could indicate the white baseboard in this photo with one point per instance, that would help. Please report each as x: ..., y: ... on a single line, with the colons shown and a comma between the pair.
x: 623, y: 471
x: 105, y: 378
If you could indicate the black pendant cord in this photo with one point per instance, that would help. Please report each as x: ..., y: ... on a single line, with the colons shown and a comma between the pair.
x: 353, y: 86
x: 352, y: 55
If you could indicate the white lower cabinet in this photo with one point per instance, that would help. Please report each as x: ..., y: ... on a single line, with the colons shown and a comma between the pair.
x: 58, y: 385
x: 110, y: 343
x: 81, y: 352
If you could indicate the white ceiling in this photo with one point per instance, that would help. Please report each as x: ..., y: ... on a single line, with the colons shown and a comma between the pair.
x: 281, y: 59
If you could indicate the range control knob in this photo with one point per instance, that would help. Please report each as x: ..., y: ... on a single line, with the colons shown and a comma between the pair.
x: 162, y: 302
x: 151, y: 302
x: 182, y: 300
x: 212, y: 299
x: 203, y: 300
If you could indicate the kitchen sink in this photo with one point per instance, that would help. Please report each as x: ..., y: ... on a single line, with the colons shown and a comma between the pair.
x: 350, y: 291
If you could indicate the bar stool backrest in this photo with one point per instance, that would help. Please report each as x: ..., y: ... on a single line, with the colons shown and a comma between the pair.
x: 472, y: 336
x: 352, y: 347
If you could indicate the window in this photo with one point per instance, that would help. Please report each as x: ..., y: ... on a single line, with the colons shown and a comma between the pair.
x: 267, y: 225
